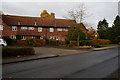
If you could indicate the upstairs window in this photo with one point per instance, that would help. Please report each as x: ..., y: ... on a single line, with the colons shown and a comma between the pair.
x: 24, y: 28
x: 65, y: 29
x: 1, y: 27
x: 59, y: 29
x: 39, y: 29
x: 51, y: 29
x: 14, y: 28
x: 31, y: 28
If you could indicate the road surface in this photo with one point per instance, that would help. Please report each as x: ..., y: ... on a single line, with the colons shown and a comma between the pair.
x: 97, y: 64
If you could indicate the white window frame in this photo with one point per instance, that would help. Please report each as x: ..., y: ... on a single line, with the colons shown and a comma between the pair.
x: 1, y: 27
x: 59, y: 29
x: 24, y: 28
x: 41, y: 37
x: 39, y: 29
x: 51, y: 37
x: 65, y: 29
x: 14, y: 28
x: 51, y: 29
x: 13, y: 36
x: 23, y: 37
x: 56, y: 38
x: 31, y: 28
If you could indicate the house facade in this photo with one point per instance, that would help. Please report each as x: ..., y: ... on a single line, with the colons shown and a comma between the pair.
x: 36, y: 27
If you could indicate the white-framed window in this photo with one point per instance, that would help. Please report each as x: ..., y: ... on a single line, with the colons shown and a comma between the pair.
x: 23, y: 37
x: 13, y: 37
x: 24, y: 27
x: 65, y: 29
x: 14, y: 28
x: 51, y: 37
x: 51, y: 29
x: 1, y: 27
x: 56, y: 38
x: 39, y: 29
x: 41, y: 37
x: 59, y: 29
x: 31, y: 28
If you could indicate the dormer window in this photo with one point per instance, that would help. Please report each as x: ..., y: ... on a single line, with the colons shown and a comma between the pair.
x: 14, y: 28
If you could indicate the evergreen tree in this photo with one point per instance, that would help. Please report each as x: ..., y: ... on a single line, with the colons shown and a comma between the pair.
x: 102, y: 29
x: 116, y: 29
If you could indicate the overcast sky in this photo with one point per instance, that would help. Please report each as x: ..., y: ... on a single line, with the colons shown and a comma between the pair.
x: 96, y: 10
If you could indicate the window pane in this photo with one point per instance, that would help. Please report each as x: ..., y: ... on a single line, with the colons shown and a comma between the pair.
x: 1, y: 27
x: 23, y: 27
x: 59, y: 29
x: 51, y: 29
x: 31, y: 28
x: 14, y: 28
x: 39, y: 29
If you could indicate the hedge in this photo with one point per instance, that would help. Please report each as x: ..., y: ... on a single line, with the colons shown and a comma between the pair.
x: 100, y: 41
x: 31, y: 42
x: 54, y: 42
x: 15, y: 51
x: 73, y: 43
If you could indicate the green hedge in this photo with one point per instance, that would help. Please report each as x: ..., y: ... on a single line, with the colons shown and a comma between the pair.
x: 54, y: 42
x: 14, y: 51
x: 85, y: 43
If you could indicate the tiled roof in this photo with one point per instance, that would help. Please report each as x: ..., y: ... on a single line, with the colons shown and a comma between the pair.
x: 37, y: 21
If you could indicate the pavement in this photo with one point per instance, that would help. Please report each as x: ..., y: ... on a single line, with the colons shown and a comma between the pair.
x: 48, y: 52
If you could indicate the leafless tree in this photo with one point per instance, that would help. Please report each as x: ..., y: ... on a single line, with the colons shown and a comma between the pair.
x: 77, y: 13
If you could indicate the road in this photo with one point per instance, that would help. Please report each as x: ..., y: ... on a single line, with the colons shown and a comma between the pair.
x: 97, y: 64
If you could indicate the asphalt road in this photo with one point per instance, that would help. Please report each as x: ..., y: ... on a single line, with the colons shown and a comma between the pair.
x: 97, y: 64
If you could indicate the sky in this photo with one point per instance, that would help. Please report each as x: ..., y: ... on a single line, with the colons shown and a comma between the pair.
x: 96, y: 9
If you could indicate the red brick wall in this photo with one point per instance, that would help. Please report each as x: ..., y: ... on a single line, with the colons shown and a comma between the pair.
x: 7, y: 30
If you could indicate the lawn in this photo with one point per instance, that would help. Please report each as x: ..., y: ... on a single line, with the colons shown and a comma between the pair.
x: 107, y: 45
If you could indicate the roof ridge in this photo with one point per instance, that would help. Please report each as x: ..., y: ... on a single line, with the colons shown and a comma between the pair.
x: 37, y: 17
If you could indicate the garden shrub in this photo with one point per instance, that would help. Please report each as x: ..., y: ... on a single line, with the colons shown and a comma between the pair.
x: 8, y: 40
x: 15, y: 51
x: 100, y: 41
x: 55, y: 42
x: 22, y: 43
x: 39, y: 42
x: 85, y: 43
x: 31, y: 42
x: 73, y: 43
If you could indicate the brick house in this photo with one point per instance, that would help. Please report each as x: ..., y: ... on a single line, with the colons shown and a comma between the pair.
x: 36, y: 27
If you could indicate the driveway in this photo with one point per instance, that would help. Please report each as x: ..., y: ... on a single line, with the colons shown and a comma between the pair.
x: 58, y: 51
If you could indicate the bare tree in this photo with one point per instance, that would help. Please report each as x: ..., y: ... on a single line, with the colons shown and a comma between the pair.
x: 78, y: 13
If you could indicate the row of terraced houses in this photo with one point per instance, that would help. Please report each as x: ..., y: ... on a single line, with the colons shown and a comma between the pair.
x: 37, y: 27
